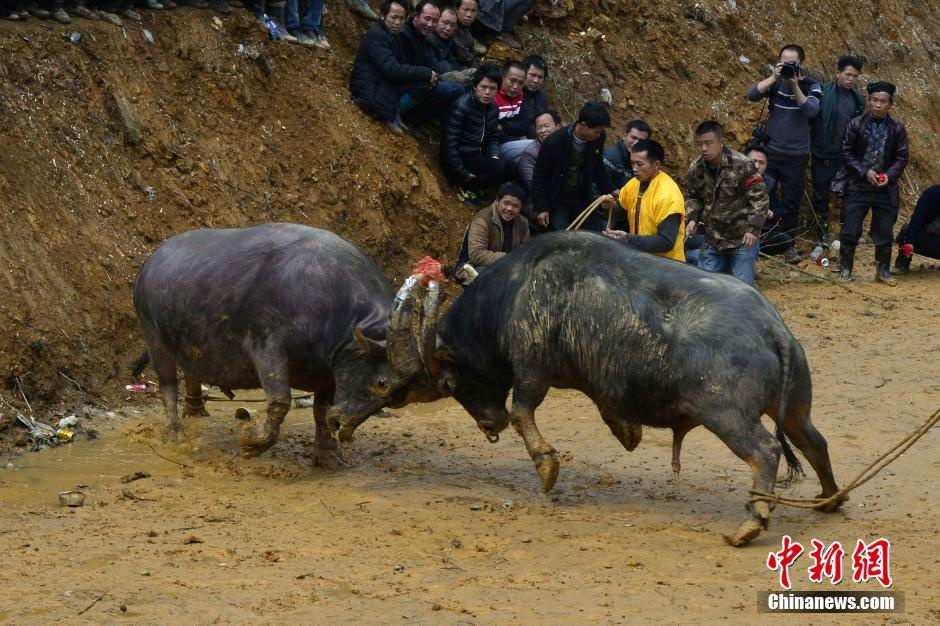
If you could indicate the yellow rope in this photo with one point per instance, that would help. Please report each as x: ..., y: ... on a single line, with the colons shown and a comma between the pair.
x: 863, y: 477
x: 578, y: 222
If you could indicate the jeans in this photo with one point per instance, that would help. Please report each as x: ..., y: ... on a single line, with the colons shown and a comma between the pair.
x: 741, y: 260
x: 790, y: 173
x: 312, y: 19
x: 824, y: 170
x: 430, y: 104
x: 512, y: 150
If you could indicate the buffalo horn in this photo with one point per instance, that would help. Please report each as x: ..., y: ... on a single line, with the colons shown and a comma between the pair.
x: 403, y: 353
x: 428, y: 340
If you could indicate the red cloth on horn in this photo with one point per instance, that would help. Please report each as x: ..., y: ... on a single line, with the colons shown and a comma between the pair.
x: 428, y: 269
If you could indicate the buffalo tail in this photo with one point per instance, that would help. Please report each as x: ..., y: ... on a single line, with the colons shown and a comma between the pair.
x: 794, y: 467
x: 137, y: 367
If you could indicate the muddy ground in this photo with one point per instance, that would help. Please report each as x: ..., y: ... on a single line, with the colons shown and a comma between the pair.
x: 430, y: 523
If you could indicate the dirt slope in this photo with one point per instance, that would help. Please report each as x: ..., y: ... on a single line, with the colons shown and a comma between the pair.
x: 114, y: 143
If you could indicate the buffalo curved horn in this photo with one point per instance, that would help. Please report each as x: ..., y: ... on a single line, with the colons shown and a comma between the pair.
x: 403, y: 355
x: 428, y: 330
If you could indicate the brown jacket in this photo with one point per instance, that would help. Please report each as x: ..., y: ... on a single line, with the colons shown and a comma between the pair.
x: 485, y: 236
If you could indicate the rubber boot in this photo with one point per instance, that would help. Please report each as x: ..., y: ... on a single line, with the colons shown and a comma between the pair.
x: 883, y: 271
x: 278, y: 12
x: 846, y: 261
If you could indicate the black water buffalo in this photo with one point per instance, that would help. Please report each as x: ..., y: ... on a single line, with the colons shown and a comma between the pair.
x: 652, y: 342
x: 273, y: 306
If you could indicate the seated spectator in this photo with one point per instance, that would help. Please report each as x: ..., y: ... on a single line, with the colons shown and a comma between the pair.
x: 496, y: 230
x: 442, y: 41
x: 509, y: 98
x: 773, y: 240
x: 653, y: 203
x: 545, y: 124
x: 617, y: 156
x: 502, y: 16
x: 380, y: 75
x: 568, y: 170
x: 922, y: 234
x: 534, y: 100
x: 466, y: 48
x: 469, y: 145
x: 308, y: 28
x: 423, y: 103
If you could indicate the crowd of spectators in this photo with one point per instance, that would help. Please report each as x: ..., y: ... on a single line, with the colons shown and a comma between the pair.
x: 498, y: 131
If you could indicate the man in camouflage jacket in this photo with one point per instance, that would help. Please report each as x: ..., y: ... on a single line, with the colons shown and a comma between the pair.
x: 727, y: 195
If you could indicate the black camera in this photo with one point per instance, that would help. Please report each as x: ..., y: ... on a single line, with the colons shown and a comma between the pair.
x: 790, y: 69
x: 759, y: 136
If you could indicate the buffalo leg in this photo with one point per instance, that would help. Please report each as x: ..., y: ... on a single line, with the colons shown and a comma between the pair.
x: 798, y: 427
x: 524, y: 402
x: 165, y: 367
x: 751, y: 442
x: 194, y: 405
x: 627, y: 433
x: 326, y: 452
x: 258, y: 437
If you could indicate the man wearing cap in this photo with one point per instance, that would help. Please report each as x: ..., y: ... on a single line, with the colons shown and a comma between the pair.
x: 874, y: 154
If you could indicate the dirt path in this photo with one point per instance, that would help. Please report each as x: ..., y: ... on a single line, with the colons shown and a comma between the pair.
x: 431, y: 523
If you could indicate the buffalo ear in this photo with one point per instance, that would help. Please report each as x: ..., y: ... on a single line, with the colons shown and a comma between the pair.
x: 367, y: 345
x: 442, y: 353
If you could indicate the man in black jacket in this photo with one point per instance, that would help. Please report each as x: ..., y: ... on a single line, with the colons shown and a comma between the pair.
x: 421, y: 104
x: 380, y: 74
x: 569, y: 167
x: 470, y: 145
x: 617, y: 156
x: 874, y: 154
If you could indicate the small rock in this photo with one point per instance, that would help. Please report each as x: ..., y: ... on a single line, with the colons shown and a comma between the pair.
x: 527, y: 540
x: 455, y: 543
x: 399, y: 568
x: 476, y: 507
x: 436, y: 606
x: 145, y: 573
x: 123, y: 608
x: 192, y: 539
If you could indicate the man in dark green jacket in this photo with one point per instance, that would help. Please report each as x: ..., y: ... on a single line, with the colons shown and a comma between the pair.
x: 841, y: 102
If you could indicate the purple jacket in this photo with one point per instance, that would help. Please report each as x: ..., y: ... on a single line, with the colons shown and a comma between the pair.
x: 851, y: 176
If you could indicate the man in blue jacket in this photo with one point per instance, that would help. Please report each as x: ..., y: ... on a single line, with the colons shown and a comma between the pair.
x: 840, y: 102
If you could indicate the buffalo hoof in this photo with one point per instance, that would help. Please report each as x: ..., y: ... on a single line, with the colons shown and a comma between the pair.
x: 746, y: 533
x: 195, y: 411
x: 547, y: 467
x: 173, y: 433
x: 254, y: 443
x: 328, y: 455
x: 833, y: 506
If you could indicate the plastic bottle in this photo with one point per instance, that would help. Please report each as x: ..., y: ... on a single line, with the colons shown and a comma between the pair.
x: 136, y: 387
x: 816, y: 253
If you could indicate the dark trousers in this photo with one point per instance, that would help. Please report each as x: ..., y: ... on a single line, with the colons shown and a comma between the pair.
x: 824, y: 170
x: 568, y: 207
x: 926, y: 244
x: 488, y: 172
x: 790, y: 173
x: 775, y: 242
x: 883, y: 216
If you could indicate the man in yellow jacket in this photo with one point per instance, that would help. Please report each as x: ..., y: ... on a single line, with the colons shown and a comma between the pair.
x: 653, y: 203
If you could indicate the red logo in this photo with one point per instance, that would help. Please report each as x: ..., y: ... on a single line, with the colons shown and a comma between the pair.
x: 868, y: 561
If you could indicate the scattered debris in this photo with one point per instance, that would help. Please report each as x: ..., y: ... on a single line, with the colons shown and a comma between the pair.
x: 136, y: 387
x: 135, y: 476
x: 148, y: 36
x: 399, y: 568
x: 744, y: 59
x: 71, y: 498
x: 150, y: 193
x: 74, y: 37
x: 192, y: 539
x: 68, y: 422
x: 130, y: 495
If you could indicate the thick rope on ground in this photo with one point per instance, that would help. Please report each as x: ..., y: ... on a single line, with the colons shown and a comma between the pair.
x: 863, y: 477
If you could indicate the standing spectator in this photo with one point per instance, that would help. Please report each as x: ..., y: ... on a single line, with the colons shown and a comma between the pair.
x: 617, y: 156
x: 502, y: 16
x: 545, y: 124
x: 425, y: 102
x: 727, y: 194
x: 874, y: 154
x: 496, y: 230
x: 362, y: 8
x: 466, y: 48
x: 793, y: 102
x: 772, y: 239
x: 509, y: 98
x: 470, y: 146
x: 840, y: 102
x: 922, y: 235
x: 379, y: 74
x: 308, y: 28
x: 653, y: 204
x: 569, y: 167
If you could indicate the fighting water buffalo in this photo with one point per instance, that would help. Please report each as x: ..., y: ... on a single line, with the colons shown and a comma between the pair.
x: 651, y: 341
x: 273, y: 306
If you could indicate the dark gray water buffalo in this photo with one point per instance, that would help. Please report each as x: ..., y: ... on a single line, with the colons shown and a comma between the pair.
x: 273, y: 306
x: 652, y: 342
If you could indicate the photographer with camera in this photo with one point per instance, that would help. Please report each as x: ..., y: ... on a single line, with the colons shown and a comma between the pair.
x: 793, y: 101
